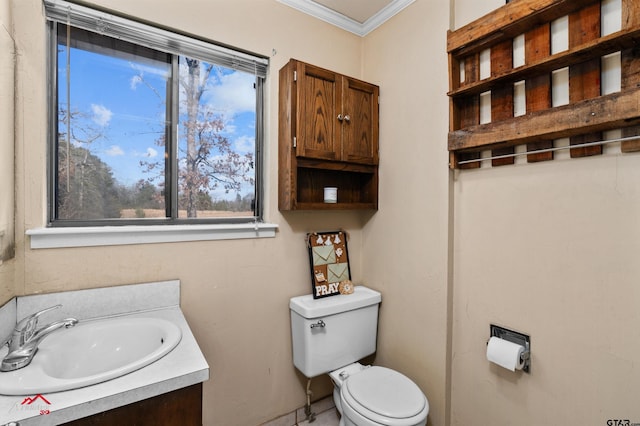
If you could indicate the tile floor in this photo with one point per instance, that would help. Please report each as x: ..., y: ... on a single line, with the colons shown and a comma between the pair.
x: 325, y: 410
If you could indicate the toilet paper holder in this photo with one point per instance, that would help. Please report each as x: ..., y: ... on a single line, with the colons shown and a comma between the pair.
x: 517, y: 338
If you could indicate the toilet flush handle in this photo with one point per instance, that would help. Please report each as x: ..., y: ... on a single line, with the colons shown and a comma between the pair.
x: 320, y: 323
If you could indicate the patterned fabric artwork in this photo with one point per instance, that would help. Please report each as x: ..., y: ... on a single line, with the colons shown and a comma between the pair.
x: 329, y: 263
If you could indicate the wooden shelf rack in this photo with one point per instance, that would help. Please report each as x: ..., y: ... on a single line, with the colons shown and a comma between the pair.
x: 582, y: 120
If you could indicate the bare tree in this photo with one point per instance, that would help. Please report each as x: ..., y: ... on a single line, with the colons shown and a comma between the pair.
x: 210, y: 162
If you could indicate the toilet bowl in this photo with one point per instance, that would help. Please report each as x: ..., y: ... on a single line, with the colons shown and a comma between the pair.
x: 330, y: 335
x: 374, y: 396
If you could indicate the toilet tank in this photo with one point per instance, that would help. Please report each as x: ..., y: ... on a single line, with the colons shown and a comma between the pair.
x: 334, y: 331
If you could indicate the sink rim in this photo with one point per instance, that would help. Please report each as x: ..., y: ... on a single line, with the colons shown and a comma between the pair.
x: 34, y: 379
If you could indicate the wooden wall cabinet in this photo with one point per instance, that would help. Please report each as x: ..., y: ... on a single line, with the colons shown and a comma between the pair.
x: 328, y: 137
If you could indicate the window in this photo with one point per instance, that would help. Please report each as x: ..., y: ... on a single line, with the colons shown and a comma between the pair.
x: 149, y: 126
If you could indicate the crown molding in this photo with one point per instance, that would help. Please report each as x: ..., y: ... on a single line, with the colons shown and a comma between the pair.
x: 328, y: 15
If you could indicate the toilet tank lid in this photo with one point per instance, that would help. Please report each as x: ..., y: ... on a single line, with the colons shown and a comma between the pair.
x: 308, y: 307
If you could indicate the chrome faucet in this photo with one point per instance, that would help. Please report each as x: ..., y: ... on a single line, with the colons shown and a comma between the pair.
x: 24, y: 340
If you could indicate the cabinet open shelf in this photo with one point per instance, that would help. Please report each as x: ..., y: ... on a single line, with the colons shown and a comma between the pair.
x: 357, y: 187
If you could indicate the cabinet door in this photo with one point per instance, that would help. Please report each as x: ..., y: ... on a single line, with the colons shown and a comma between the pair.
x: 360, y: 122
x: 318, y: 101
x: 182, y: 407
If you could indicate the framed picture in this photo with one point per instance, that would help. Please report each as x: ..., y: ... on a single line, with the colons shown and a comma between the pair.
x: 329, y: 262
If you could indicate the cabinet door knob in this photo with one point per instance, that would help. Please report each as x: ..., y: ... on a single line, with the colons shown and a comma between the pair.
x: 347, y: 118
x: 340, y: 118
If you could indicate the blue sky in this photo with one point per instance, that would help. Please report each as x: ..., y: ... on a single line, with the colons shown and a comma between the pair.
x: 123, y: 101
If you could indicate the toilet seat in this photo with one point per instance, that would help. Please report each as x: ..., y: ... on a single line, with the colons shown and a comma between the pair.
x: 384, y: 396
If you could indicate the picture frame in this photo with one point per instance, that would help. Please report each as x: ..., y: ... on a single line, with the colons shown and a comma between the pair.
x: 329, y: 262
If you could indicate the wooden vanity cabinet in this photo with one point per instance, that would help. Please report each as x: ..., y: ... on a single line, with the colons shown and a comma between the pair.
x: 181, y: 407
x: 328, y: 136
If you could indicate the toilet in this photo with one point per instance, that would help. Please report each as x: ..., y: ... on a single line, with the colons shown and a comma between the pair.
x: 330, y: 335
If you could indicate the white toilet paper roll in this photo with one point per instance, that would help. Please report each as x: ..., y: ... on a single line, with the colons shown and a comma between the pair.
x: 505, y: 353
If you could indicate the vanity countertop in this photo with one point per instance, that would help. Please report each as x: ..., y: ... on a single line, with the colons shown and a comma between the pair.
x: 185, y: 365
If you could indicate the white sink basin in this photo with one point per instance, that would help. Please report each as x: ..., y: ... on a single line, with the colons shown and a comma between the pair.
x: 92, y: 352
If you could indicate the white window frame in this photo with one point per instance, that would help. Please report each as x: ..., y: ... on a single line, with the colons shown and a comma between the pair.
x: 174, y: 43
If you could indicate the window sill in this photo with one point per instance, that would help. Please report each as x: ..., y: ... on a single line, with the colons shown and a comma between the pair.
x: 43, y: 238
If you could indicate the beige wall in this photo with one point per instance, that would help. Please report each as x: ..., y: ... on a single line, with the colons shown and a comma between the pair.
x: 549, y: 249
x: 234, y: 293
x: 405, y: 244
x: 546, y: 248
x: 7, y: 263
x: 237, y: 302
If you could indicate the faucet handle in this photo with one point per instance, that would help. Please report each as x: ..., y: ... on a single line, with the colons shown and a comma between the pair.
x: 26, y: 328
x: 28, y: 324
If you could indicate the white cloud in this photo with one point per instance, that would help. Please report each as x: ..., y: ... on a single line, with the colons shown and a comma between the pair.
x: 152, y: 68
x: 244, y: 144
x: 135, y: 81
x: 232, y: 93
x: 114, y: 151
x: 101, y: 114
x: 149, y: 153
